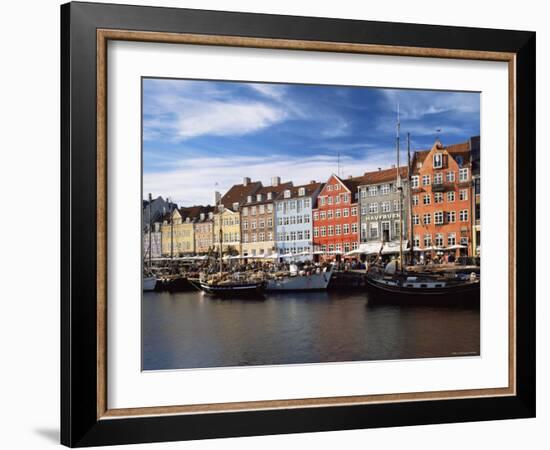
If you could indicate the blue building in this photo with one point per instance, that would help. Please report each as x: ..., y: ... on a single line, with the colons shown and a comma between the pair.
x: 293, y: 218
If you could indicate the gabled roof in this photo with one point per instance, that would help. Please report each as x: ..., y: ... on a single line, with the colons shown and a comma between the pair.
x: 383, y: 176
x: 194, y: 212
x: 309, y: 189
x: 275, y: 190
x: 238, y: 193
x: 455, y: 150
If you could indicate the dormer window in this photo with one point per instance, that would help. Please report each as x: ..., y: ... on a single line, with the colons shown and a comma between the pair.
x: 301, y: 192
x: 259, y: 197
x: 249, y: 199
x: 210, y: 215
x: 270, y: 196
x: 187, y: 220
x: 287, y: 193
x: 438, y: 160
x: 235, y: 206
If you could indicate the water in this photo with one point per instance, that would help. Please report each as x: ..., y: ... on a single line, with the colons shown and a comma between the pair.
x: 193, y: 330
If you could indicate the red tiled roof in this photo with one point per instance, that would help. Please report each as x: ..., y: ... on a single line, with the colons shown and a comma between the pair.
x: 385, y: 175
x: 239, y: 192
x: 309, y: 189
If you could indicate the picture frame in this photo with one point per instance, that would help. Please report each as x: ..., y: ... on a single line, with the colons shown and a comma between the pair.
x: 86, y: 28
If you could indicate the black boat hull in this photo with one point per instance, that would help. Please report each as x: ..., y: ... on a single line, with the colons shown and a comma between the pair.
x: 466, y: 293
x: 240, y: 290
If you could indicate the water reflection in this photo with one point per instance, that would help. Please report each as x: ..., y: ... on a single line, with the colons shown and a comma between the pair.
x: 192, y: 330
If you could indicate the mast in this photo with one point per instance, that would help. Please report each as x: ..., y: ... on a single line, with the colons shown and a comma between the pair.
x: 400, y: 193
x: 220, y: 236
x: 171, y: 229
x: 150, y: 200
x: 410, y: 196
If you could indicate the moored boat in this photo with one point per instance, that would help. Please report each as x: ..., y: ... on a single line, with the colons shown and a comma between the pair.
x: 149, y: 283
x: 301, y: 282
x: 234, y: 288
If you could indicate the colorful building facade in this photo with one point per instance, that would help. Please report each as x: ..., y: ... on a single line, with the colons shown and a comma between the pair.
x: 441, y: 191
x: 204, y: 231
x: 384, y: 209
x: 336, y: 218
x: 155, y: 250
x: 258, y: 219
x: 178, y: 238
x: 294, y: 218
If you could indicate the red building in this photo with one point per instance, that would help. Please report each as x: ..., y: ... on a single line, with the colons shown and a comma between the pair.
x: 441, y: 191
x: 336, y: 218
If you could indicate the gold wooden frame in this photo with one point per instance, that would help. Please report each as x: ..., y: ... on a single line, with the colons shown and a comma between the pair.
x: 103, y: 36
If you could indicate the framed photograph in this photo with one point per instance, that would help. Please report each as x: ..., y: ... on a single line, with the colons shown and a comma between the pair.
x: 273, y: 224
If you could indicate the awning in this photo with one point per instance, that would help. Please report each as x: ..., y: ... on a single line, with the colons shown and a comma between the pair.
x: 368, y: 248
x: 394, y: 247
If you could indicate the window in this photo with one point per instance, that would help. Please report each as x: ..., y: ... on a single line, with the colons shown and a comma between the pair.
x: 396, y: 205
x: 397, y: 228
x: 373, y: 208
x: 386, y: 207
x: 385, y: 189
x: 262, y: 237
x: 439, y: 240
x: 253, y: 210
x: 346, y: 212
x: 323, y: 215
x: 438, y: 217
x: 451, y: 196
x: 337, y: 199
x: 415, y: 200
x: 293, y: 235
x: 338, y: 230
x: 425, y: 180
x: 426, y: 199
x: 307, y: 234
x: 416, y: 219
x: 373, y: 191
x: 330, y: 247
x: 329, y: 200
x: 323, y: 231
x: 329, y: 214
x: 438, y: 197
x: 330, y: 230
x: 270, y: 207
x: 416, y: 240
x: 316, y: 232
x: 316, y: 215
x: 354, y: 211
x: 292, y: 220
x: 354, y: 245
x: 373, y: 230
x: 451, y: 216
x: 346, y: 228
x: 306, y: 218
x: 329, y: 187
x: 245, y: 212
x: 346, y: 198
x: 336, y: 187
x: 307, y: 203
x: 363, y: 192
x: 245, y: 225
x: 464, y: 240
x: 338, y: 213
x: 321, y: 200
x: 261, y: 209
x: 346, y: 247
x: 438, y: 178
x: 451, y: 239
x: 463, y: 215
x: 438, y: 161
x: 301, y: 191
x: 450, y: 177
x: 427, y: 219
x: 414, y: 181
x: 427, y: 240
x: 463, y: 174
x: 354, y: 228
x: 463, y: 194
x: 269, y: 223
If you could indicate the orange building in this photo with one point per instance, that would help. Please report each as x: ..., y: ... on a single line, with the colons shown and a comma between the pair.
x: 441, y: 190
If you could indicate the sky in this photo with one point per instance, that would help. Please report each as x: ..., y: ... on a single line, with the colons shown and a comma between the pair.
x: 200, y: 136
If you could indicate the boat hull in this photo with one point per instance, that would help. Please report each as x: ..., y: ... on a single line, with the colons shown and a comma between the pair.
x: 315, y: 282
x: 149, y: 283
x: 424, y: 291
x: 234, y: 290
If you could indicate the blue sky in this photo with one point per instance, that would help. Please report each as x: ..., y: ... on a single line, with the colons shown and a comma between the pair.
x: 200, y: 136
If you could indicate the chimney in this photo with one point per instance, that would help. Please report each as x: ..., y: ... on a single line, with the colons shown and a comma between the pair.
x: 202, y: 216
x: 312, y: 182
x: 246, y: 181
x: 217, y: 197
x: 379, y: 169
x: 350, y: 177
x: 275, y: 181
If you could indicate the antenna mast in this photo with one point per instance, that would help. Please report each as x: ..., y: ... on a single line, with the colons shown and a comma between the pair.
x: 400, y: 193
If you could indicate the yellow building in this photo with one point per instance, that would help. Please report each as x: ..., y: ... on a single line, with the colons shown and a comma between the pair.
x: 230, y: 230
x: 178, y: 237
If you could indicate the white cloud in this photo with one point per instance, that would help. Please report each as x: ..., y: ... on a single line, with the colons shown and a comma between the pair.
x: 273, y: 91
x: 193, y: 180
x: 226, y: 118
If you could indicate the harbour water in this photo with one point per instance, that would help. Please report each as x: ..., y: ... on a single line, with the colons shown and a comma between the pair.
x: 193, y: 330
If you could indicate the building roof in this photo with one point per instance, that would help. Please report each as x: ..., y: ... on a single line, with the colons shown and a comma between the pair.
x: 294, y: 190
x: 275, y: 190
x: 383, y: 176
x: 455, y: 150
x: 193, y: 213
x: 238, y: 193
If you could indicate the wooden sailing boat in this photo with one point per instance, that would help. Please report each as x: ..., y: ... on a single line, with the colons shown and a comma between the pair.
x: 400, y: 285
x: 237, y: 285
x: 149, y: 279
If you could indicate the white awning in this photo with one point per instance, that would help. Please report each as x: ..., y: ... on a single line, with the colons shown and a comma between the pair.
x: 394, y: 247
x: 368, y: 248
